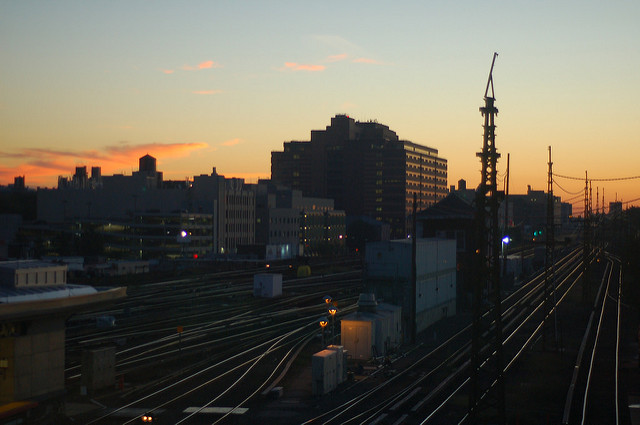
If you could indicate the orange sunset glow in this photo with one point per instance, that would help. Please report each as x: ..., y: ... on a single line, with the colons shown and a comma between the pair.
x: 220, y: 86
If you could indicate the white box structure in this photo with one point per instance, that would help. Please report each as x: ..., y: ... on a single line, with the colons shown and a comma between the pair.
x: 341, y: 363
x: 323, y: 372
x: 267, y: 285
x: 388, y: 275
x: 372, y: 333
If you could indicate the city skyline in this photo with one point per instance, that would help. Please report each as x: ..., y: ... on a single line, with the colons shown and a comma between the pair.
x: 202, y: 85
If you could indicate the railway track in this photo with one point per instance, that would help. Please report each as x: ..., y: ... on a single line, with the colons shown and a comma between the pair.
x: 424, y: 391
x: 246, y: 341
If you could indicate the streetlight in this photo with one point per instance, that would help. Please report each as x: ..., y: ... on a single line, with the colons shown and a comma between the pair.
x: 505, y: 241
x: 327, y: 299
x: 323, y: 322
x: 332, y: 311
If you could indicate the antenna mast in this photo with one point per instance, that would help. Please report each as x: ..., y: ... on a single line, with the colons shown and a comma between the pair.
x: 486, y: 400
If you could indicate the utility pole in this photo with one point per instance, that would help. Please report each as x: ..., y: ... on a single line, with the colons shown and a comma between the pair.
x: 414, y: 275
x: 487, y: 395
x: 549, y: 284
x: 506, y: 217
x: 586, y: 241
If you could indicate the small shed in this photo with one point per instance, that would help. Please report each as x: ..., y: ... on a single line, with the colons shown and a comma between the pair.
x: 373, y: 330
x: 267, y: 285
x: 324, y: 371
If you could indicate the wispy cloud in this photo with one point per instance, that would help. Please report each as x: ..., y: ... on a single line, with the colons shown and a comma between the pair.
x: 337, y: 58
x: 42, y: 166
x: 367, y: 61
x: 208, y: 64
x: 202, y: 65
x: 126, y: 149
x: 168, y: 71
x: 231, y: 142
x: 294, y: 66
x: 206, y: 91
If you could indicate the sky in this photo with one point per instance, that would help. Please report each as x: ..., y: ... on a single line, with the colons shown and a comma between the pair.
x: 203, y: 84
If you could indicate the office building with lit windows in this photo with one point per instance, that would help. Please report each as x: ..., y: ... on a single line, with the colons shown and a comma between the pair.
x: 290, y: 224
x: 143, y: 216
x: 366, y: 169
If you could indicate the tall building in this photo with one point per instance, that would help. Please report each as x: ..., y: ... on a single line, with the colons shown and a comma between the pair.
x: 365, y: 168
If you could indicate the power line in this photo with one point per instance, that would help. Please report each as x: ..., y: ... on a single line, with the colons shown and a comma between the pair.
x: 573, y: 198
x: 633, y: 200
x: 598, y: 180
x: 580, y: 192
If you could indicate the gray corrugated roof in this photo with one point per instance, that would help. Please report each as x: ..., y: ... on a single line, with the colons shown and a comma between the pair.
x: 15, y: 295
x: 27, y: 264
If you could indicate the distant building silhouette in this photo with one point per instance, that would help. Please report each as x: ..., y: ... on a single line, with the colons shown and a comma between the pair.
x: 80, y: 178
x: 615, y: 208
x: 365, y: 168
x: 18, y: 183
x: 143, y: 216
x: 147, y: 164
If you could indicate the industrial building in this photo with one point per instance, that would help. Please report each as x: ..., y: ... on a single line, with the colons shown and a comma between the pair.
x: 388, y: 276
x: 365, y: 168
x: 143, y: 216
x: 35, y: 301
x: 290, y: 224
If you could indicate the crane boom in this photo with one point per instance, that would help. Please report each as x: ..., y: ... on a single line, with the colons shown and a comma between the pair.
x: 490, y: 80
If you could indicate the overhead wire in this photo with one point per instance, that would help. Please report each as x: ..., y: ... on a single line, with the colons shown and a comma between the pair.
x: 581, y: 191
x: 597, y: 180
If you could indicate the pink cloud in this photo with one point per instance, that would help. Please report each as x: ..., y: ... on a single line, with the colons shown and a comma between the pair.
x: 43, y: 166
x: 124, y: 149
x: 208, y: 64
x: 168, y: 71
x: 337, y: 58
x: 231, y: 142
x: 202, y: 65
x: 206, y: 91
x: 303, y: 67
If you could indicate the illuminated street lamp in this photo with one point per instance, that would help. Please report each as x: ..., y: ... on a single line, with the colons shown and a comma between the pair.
x: 183, y: 238
x: 332, y: 311
x: 505, y: 241
x: 327, y: 299
x: 323, y: 322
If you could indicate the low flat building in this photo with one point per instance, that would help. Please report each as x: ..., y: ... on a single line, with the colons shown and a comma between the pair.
x: 35, y: 302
